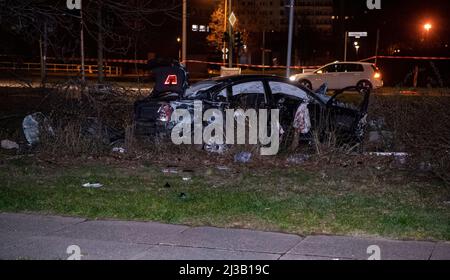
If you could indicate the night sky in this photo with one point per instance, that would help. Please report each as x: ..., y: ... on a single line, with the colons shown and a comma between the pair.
x: 403, y: 18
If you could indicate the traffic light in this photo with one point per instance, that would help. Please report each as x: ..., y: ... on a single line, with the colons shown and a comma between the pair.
x: 238, y: 40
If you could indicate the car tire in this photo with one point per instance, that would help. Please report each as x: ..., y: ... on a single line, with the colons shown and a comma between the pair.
x: 364, y: 85
x: 307, y: 84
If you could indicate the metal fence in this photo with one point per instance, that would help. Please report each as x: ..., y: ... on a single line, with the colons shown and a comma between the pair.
x: 112, y: 71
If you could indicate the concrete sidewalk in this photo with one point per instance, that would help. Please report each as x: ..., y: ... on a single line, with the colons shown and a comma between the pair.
x: 48, y: 237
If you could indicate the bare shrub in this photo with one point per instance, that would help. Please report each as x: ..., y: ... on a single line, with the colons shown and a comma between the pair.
x: 87, y: 119
x: 420, y: 125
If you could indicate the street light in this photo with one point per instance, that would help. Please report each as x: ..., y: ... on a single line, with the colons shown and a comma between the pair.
x: 77, y: 5
x: 179, y: 49
x: 427, y: 27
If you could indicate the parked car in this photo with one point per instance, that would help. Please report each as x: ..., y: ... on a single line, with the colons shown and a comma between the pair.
x: 340, y: 75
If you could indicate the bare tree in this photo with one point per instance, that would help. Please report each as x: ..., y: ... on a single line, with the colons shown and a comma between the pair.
x: 37, y: 21
x: 116, y: 24
x: 112, y: 24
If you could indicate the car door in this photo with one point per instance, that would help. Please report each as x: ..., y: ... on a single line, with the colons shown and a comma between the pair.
x: 348, y: 111
x: 249, y: 95
x: 351, y: 74
x: 329, y: 75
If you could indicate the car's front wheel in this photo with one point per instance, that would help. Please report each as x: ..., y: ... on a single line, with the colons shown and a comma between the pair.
x: 307, y: 84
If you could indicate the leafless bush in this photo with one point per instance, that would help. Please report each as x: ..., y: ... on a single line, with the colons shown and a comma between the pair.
x: 87, y: 119
x: 420, y: 125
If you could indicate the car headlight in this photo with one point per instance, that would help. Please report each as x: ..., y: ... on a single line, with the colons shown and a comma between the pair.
x: 292, y: 78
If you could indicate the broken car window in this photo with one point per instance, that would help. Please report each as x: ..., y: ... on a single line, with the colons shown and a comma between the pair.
x: 251, y: 87
x: 279, y: 88
x: 195, y: 88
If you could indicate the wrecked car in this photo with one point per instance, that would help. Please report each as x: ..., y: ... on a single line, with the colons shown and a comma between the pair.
x: 304, y: 115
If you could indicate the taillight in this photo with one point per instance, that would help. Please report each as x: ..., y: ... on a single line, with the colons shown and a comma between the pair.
x: 377, y: 75
x: 165, y: 113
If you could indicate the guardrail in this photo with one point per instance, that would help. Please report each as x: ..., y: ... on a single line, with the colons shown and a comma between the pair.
x: 113, y: 71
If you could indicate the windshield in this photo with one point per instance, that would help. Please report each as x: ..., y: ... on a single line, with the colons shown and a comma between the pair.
x: 200, y: 86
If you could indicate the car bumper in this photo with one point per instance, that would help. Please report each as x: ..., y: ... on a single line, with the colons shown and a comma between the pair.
x: 377, y: 84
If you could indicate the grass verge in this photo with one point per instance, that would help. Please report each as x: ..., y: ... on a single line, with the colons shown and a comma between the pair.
x: 286, y: 199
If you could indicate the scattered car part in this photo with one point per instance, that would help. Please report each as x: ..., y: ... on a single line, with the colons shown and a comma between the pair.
x: 243, y: 157
x: 92, y: 185
x: 9, y: 145
x: 33, y: 127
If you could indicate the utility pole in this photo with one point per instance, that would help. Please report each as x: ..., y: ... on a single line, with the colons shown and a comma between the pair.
x: 264, y: 51
x: 230, y: 43
x: 346, y: 45
x: 290, y: 37
x: 377, y: 47
x: 83, y: 72
x: 184, y: 43
x: 78, y: 5
x: 224, y: 31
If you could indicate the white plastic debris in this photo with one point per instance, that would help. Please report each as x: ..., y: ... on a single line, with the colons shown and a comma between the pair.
x: 243, y: 157
x: 223, y: 168
x: 187, y: 179
x: 92, y: 185
x: 9, y: 145
x: 32, y: 126
x: 119, y: 150
x: 170, y: 171
x: 400, y: 157
x: 298, y: 158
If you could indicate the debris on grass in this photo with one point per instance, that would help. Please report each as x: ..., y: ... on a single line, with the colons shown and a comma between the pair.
x: 223, y: 168
x: 298, y: 158
x: 170, y: 171
x: 92, y: 185
x: 119, y: 150
x: 399, y: 157
x: 9, y: 145
x: 243, y: 157
x: 33, y: 127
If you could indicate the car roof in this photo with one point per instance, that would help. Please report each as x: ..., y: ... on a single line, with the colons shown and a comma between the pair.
x: 243, y: 78
x: 350, y: 62
x: 238, y: 78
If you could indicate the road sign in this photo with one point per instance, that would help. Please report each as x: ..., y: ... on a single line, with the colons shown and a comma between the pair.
x: 232, y: 19
x: 225, y: 72
x: 357, y: 35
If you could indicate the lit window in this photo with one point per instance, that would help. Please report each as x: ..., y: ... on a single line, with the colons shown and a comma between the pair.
x: 195, y: 27
x: 202, y: 28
